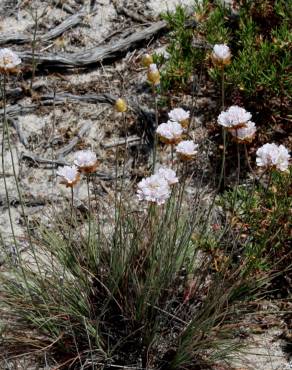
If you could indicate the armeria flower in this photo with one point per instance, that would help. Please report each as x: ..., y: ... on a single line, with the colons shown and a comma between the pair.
x: 221, y: 55
x: 154, y: 189
x: 168, y: 174
x: 121, y: 105
x: 9, y: 61
x: 273, y: 156
x: 86, y: 161
x: 234, y: 117
x: 180, y: 115
x: 245, y: 134
x: 170, y: 132
x: 70, y: 176
x: 186, y: 150
x: 153, y: 74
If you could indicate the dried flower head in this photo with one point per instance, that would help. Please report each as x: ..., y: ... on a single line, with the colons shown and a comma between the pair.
x: 154, y: 189
x: 153, y: 74
x: 9, y: 61
x: 86, y: 161
x: 245, y: 134
x: 147, y: 59
x: 168, y: 174
x: 70, y: 176
x: 235, y: 117
x: 170, y: 132
x: 180, y: 115
x: 121, y: 105
x: 186, y: 150
x: 221, y: 55
x: 273, y: 156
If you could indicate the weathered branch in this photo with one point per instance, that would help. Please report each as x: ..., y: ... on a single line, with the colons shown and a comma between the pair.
x: 67, y: 24
x: 130, y: 141
x: 146, y: 117
x: 98, y: 54
x: 18, y: 129
x: 67, y: 148
x: 34, y: 159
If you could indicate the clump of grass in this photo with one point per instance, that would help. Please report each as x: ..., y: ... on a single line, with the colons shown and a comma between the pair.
x: 128, y: 289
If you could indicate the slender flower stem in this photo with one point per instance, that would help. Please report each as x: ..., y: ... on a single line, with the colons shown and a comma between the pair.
x: 238, y: 158
x: 71, y: 215
x: 126, y: 149
x: 223, y: 89
x: 269, y: 182
x: 156, y: 125
x: 89, y: 211
x: 195, y: 92
x: 17, y: 184
x: 222, y: 174
x: 247, y: 159
x: 4, y: 129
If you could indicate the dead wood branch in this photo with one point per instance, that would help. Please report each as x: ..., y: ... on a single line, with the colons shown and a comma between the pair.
x: 67, y: 8
x: 34, y: 159
x: 27, y: 201
x: 98, y: 54
x: 146, y: 117
x: 17, y: 109
x: 129, y: 13
x: 130, y: 141
x: 18, y: 129
x: 67, y: 149
x: 67, y: 24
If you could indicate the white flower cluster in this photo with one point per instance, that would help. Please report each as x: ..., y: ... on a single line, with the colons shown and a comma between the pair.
x: 85, y: 161
x: 235, y: 117
x: 237, y: 121
x: 244, y: 134
x: 8, y: 60
x: 70, y: 175
x: 156, y: 188
x: 273, y: 156
x: 170, y: 132
x: 179, y: 115
x: 186, y: 149
x: 221, y: 55
x: 168, y: 174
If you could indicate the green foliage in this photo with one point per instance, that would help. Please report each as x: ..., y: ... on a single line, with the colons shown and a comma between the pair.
x: 183, y: 57
x: 260, y: 41
x: 262, y: 218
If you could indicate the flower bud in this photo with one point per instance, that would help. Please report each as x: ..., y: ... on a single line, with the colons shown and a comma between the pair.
x: 153, y: 74
x: 147, y: 59
x: 121, y: 105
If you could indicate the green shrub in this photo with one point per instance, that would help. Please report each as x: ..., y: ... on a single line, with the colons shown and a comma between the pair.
x: 262, y: 219
x: 260, y: 41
